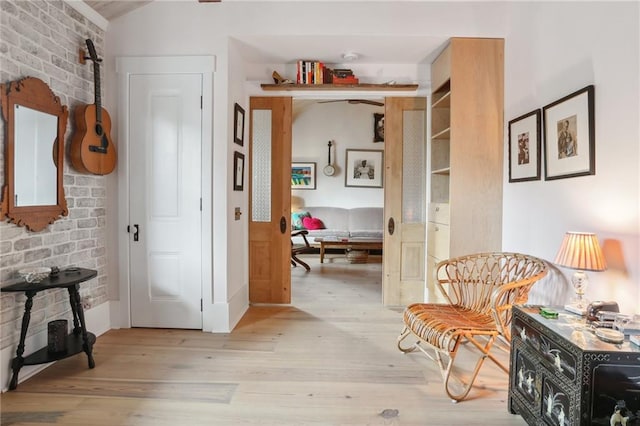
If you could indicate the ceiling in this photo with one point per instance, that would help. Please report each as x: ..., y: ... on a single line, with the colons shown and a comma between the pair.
x: 112, y: 9
x: 270, y: 49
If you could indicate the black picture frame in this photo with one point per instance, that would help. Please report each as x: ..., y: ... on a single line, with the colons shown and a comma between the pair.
x: 238, y: 171
x: 378, y: 127
x: 525, y: 142
x: 238, y: 124
x: 569, y: 135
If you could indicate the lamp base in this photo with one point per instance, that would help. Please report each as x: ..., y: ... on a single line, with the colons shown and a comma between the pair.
x: 576, y: 309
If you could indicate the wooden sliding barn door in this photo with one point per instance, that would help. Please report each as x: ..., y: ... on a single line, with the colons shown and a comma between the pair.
x: 270, y: 199
x: 404, y: 201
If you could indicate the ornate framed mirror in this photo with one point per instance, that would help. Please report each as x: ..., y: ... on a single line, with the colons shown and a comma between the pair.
x: 35, y: 124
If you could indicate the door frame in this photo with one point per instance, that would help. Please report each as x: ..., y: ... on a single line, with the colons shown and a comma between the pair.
x: 365, y: 94
x: 125, y: 67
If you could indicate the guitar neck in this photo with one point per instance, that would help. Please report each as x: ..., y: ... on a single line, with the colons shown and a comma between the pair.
x: 98, y: 98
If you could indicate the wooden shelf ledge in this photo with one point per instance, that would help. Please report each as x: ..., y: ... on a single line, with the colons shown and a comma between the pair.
x: 338, y: 87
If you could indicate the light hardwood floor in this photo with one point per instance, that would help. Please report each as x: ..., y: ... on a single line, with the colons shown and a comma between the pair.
x: 329, y: 358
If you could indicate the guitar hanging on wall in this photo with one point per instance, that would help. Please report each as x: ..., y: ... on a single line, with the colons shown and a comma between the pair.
x: 329, y: 169
x: 92, y: 150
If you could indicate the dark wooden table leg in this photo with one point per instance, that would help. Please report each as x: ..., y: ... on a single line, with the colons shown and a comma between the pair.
x: 18, y: 361
x: 76, y: 307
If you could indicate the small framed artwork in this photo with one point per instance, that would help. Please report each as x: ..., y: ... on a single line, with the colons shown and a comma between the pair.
x: 524, y: 147
x: 364, y: 168
x: 238, y: 125
x: 238, y: 173
x: 569, y: 136
x: 378, y: 127
x: 303, y: 175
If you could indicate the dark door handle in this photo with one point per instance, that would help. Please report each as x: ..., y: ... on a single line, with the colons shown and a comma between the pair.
x: 136, y: 232
x: 283, y: 225
x: 391, y: 226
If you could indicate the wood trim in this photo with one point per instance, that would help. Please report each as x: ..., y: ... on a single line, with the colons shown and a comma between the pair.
x: 32, y: 93
x: 340, y: 87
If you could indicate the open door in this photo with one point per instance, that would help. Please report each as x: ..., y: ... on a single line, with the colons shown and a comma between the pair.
x: 270, y: 131
x: 403, y: 278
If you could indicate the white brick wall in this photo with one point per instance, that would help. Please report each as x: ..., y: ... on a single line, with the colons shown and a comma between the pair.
x: 41, y: 39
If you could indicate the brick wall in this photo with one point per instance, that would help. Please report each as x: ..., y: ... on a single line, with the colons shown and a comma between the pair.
x: 41, y: 39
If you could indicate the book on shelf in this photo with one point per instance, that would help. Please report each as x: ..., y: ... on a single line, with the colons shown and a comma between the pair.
x: 342, y: 72
x: 345, y: 80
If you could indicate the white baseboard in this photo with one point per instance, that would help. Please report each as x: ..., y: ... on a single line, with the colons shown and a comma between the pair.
x: 223, y: 317
x: 98, y: 322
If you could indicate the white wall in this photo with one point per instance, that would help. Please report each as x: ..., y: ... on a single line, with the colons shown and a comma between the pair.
x: 552, y: 49
x: 348, y: 126
x: 547, y: 57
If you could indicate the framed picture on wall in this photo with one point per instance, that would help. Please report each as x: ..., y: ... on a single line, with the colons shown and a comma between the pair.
x: 303, y: 175
x: 238, y: 125
x: 569, y: 136
x: 364, y: 168
x: 378, y: 127
x: 524, y: 147
x: 238, y: 173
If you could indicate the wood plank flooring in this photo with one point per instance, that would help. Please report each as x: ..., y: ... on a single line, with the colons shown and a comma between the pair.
x: 329, y: 358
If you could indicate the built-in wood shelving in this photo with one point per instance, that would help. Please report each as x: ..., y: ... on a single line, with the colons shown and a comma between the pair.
x: 442, y: 135
x: 343, y: 87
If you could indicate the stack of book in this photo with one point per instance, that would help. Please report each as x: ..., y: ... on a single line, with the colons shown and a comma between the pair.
x: 311, y: 72
x: 344, y: 76
x: 315, y: 72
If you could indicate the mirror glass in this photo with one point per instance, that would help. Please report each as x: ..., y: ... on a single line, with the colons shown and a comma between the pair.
x: 35, y: 169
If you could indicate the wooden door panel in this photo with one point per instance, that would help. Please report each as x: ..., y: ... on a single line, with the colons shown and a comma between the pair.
x: 404, y: 249
x: 269, y: 247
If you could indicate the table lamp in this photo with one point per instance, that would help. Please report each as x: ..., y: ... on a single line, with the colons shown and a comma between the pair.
x: 580, y: 251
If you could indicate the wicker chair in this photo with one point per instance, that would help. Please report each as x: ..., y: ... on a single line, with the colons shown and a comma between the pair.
x: 480, y: 290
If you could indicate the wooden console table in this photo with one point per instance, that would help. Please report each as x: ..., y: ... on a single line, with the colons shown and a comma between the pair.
x: 78, y: 340
x: 346, y: 243
x: 562, y: 374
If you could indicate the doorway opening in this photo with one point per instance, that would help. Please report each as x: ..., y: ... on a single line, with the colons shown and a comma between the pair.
x: 399, y: 186
x: 323, y: 201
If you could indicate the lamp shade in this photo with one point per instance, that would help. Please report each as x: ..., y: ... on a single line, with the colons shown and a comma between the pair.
x: 581, y: 250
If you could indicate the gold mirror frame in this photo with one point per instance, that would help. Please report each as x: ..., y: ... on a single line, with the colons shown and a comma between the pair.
x: 32, y: 93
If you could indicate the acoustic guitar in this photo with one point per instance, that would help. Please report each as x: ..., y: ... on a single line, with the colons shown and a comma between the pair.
x: 92, y: 150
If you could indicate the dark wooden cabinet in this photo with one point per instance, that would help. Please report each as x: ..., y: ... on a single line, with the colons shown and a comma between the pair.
x: 562, y: 374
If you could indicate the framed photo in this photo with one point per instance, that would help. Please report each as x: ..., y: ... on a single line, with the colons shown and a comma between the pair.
x: 238, y: 125
x: 378, y: 127
x: 303, y: 175
x: 364, y: 168
x: 569, y: 136
x: 238, y: 171
x: 524, y: 147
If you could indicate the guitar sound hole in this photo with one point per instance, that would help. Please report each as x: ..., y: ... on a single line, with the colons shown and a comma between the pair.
x: 99, y: 129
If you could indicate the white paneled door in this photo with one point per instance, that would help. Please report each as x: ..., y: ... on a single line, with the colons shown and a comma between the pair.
x: 165, y: 149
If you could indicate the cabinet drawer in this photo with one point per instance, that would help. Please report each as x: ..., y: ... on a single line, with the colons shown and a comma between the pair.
x: 438, y: 240
x: 439, y: 213
x: 555, y: 356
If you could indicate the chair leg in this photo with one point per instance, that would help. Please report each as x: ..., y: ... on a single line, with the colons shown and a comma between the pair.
x: 459, y: 396
x: 403, y: 335
x: 294, y: 258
